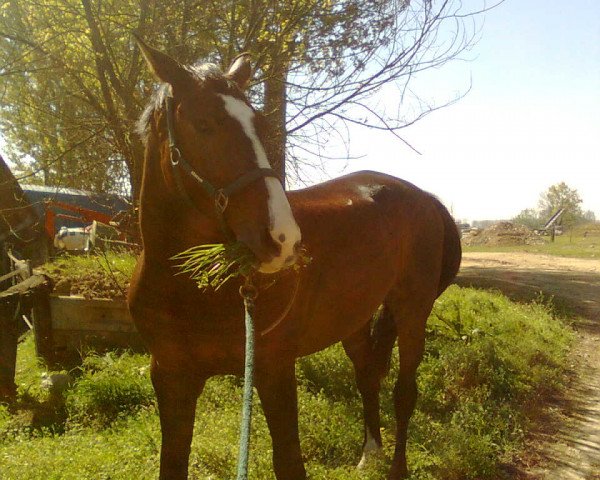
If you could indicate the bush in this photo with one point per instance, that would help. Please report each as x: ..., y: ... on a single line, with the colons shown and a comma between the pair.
x: 110, y: 386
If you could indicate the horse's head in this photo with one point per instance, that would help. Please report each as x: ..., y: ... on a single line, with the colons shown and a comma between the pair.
x: 212, y: 154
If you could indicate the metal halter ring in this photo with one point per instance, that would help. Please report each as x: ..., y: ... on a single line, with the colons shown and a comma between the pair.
x: 221, y: 200
x: 248, y: 291
x: 175, y: 155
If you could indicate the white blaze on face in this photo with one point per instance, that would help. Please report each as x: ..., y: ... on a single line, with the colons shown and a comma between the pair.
x: 283, y: 226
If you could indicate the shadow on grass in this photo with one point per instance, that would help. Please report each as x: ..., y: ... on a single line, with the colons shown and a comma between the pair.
x: 570, y: 292
x: 32, y: 415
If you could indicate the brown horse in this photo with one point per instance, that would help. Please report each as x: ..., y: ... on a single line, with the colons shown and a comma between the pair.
x: 372, y: 239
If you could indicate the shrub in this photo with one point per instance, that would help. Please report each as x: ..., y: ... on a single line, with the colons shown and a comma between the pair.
x: 110, y: 386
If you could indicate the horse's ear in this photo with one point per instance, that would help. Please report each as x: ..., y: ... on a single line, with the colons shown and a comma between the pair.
x: 240, y: 70
x: 165, y: 68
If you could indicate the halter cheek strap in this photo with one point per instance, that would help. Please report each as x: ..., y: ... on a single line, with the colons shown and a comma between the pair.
x: 220, y: 196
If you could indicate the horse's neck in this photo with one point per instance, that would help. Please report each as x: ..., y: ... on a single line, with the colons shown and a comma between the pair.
x: 168, y: 225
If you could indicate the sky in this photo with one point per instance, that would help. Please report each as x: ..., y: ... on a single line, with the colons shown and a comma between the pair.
x: 531, y: 119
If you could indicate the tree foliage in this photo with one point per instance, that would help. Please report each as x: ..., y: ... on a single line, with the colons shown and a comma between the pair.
x: 557, y: 196
x: 70, y: 102
x: 74, y: 83
x: 560, y: 196
x: 529, y: 217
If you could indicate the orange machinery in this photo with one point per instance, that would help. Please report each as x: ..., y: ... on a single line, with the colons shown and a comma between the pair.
x: 82, y: 215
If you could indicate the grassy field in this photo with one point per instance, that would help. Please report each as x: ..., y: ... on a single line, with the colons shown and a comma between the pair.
x: 488, y: 363
x: 582, y: 241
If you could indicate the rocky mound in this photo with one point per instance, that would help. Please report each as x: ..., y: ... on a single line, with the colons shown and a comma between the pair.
x: 502, y: 234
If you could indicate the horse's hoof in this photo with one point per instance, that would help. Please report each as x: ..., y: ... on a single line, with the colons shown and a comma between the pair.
x: 398, y: 474
x: 370, y: 456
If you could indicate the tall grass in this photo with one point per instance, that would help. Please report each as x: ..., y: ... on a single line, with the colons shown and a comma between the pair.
x: 488, y: 363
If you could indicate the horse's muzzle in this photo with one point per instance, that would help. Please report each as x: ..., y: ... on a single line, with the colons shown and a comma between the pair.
x: 280, y: 262
x: 272, y: 254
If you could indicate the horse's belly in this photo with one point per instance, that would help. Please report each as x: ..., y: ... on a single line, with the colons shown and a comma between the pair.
x: 340, y: 305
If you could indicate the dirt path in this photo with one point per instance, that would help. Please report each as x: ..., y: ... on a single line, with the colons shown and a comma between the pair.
x: 567, y: 444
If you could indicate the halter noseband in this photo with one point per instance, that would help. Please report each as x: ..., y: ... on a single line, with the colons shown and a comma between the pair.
x: 220, y: 196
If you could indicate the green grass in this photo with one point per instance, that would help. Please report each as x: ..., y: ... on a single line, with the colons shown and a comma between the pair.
x: 104, y: 275
x: 488, y: 363
x: 572, y: 243
x: 121, y: 263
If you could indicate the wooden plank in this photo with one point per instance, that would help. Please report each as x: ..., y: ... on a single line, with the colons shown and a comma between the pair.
x: 42, y: 323
x: 9, y: 313
x: 79, y: 324
x: 25, y: 286
x: 78, y: 313
x: 14, y: 301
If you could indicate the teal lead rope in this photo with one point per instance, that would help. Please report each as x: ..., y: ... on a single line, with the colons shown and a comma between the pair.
x: 249, y: 294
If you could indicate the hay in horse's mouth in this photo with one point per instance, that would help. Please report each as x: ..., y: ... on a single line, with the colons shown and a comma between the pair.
x: 212, y: 265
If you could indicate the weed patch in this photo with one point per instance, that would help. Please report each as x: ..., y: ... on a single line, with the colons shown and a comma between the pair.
x: 110, y: 387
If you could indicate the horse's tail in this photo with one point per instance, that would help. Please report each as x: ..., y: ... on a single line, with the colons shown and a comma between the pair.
x: 384, y: 336
x: 452, y: 249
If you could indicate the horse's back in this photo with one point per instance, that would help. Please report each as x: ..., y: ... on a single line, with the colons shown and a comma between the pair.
x: 400, y: 217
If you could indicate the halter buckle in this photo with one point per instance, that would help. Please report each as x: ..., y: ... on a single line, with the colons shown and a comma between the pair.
x: 221, y: 200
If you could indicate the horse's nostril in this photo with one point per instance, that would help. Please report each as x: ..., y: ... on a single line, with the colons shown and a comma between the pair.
x: 271, y: 244
x: 297, y: 247
x: 282, y: 238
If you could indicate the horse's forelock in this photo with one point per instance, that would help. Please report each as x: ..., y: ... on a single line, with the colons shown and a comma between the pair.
x: 205, y: 71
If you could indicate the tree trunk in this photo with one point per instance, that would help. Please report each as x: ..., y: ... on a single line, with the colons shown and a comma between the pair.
x: 275, y: 113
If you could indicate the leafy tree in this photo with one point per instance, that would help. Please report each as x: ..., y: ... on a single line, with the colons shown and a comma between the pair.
x: 589, y: 216
x: 320, y: 63
x: 560, y: 196
x: 528, y: 217
x: 70, y: 105
x: 74, y: 83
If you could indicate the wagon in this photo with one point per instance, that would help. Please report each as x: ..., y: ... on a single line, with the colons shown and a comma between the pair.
x: 76, y: 324
x: 64, y: 326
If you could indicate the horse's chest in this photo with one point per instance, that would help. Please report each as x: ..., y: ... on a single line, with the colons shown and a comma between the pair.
x: 177, y: 323
x: 184, y: 340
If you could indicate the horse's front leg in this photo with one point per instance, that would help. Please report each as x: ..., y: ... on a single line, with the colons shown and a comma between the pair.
x: 276, y: 385
x: 177, y: 391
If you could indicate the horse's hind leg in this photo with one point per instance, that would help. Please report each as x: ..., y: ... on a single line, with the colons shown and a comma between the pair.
x: 410, y: 313
x: 370, y: 355
x: 177, y: 390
